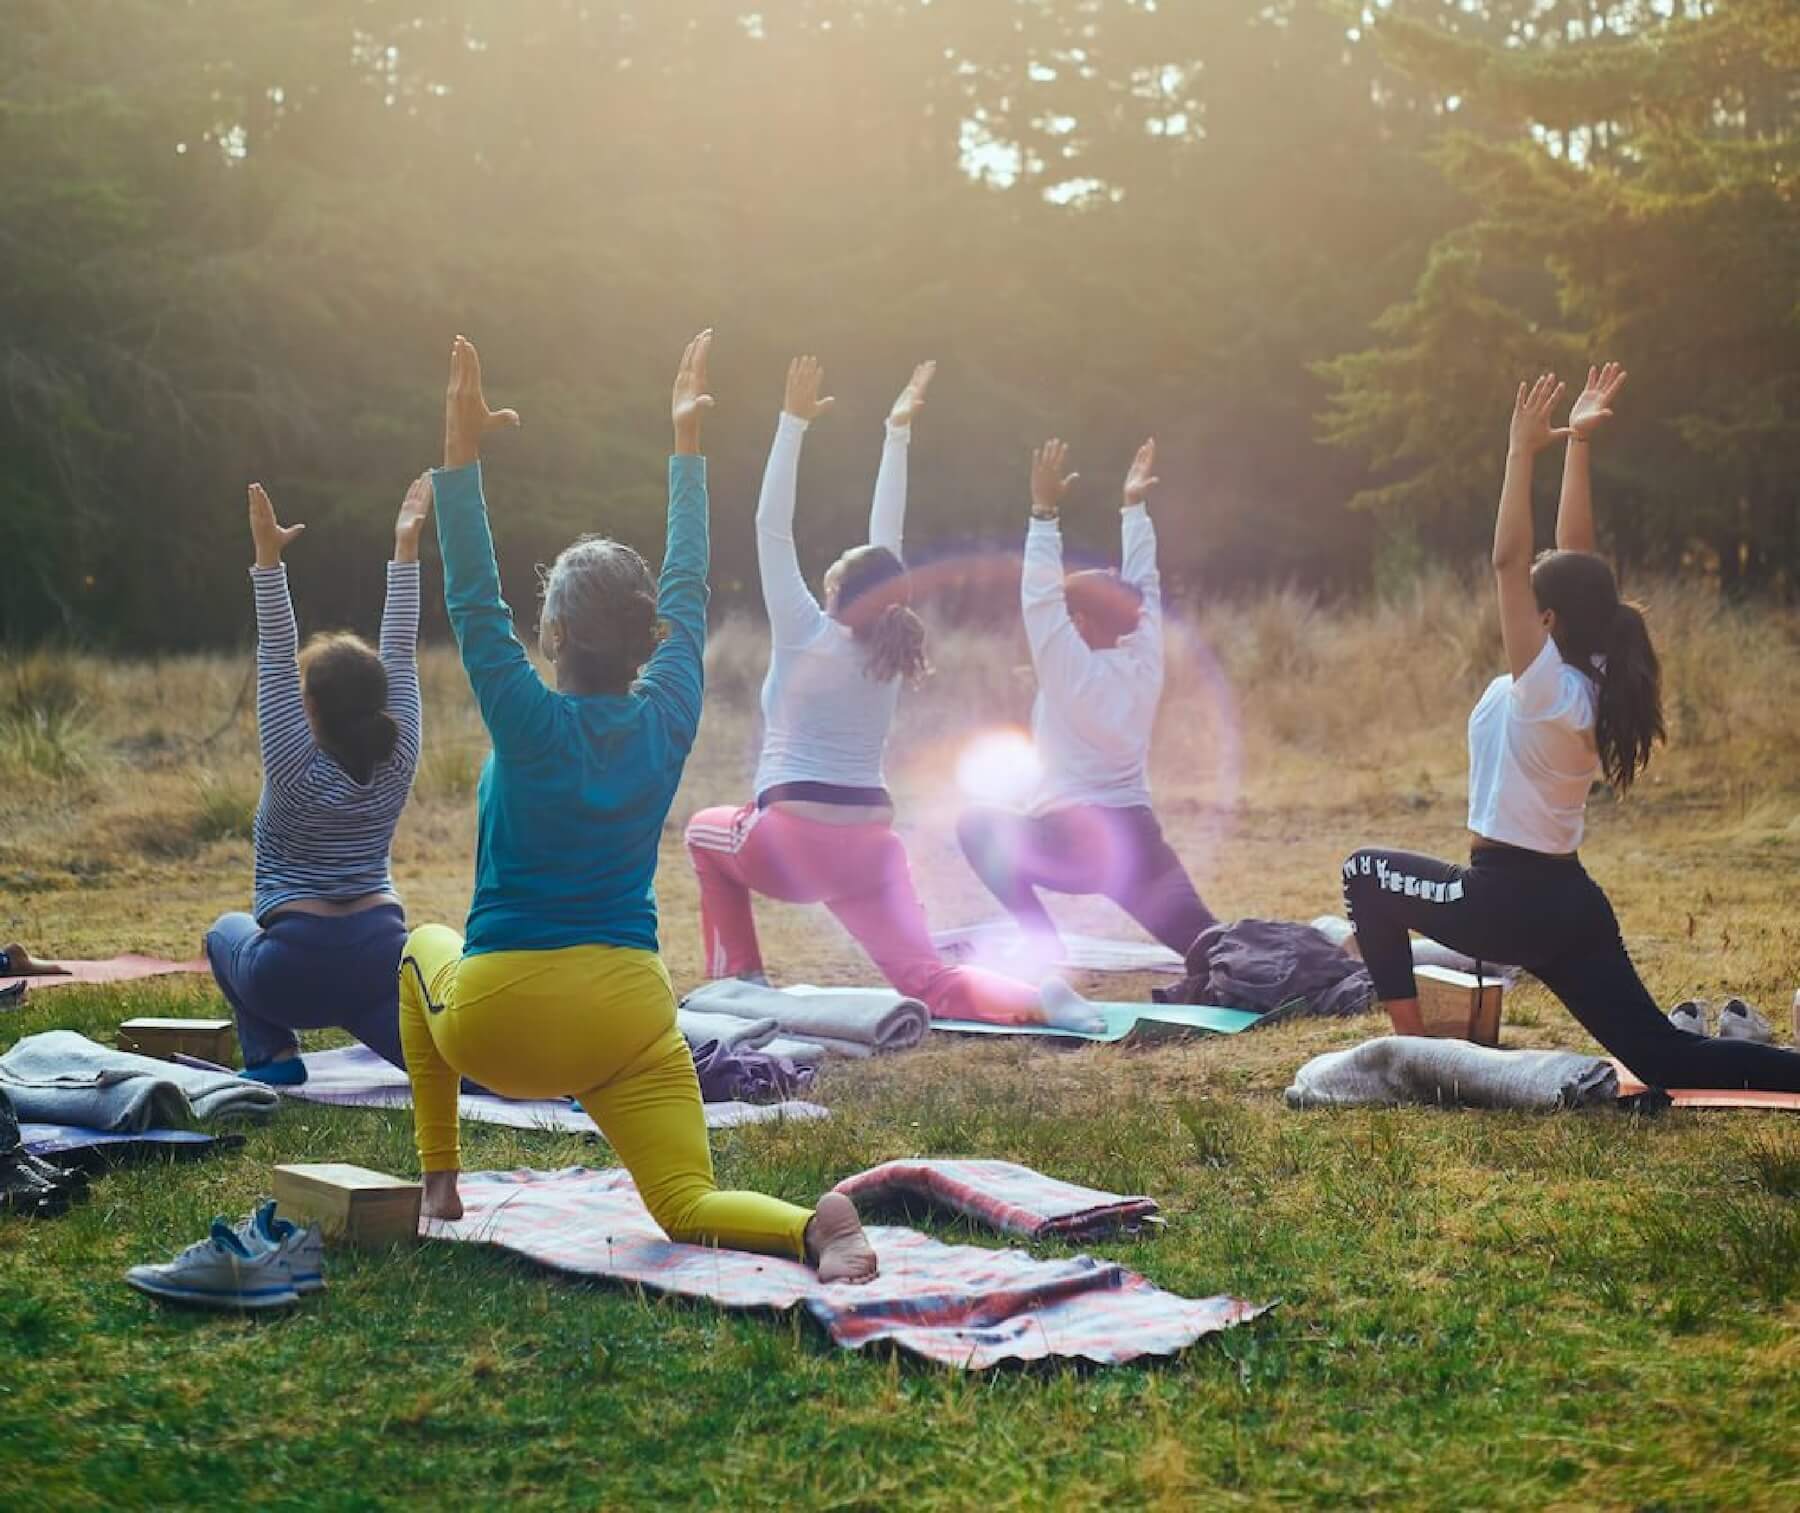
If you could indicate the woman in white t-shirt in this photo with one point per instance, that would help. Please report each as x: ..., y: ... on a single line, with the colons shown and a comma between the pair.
x: 821, y: 827
x: 1583, y: 700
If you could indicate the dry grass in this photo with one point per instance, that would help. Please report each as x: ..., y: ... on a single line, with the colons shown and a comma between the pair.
x: 1493, y: 1311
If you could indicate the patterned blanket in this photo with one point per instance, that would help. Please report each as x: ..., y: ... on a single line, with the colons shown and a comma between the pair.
x: 356, y: 1077
x: 959, y: 1305
x: 1007, y: 1197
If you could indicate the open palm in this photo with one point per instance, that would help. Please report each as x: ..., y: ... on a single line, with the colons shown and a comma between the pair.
x: 912, y: 397
x: 1142, y: 477
x: 1593, y: 406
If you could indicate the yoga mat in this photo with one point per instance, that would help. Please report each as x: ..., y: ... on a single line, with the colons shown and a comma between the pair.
x: 962, y: 1306
x: 114, y: 969
x: 68, y: 1139
x: 355, y: 1077
x: 1007, y: 1197
x: 1124, y: 1021
x: 996, y: 941
x: 1720, y: 1097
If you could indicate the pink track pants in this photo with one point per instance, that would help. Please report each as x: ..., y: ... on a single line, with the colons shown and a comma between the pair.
x: 860, y: 873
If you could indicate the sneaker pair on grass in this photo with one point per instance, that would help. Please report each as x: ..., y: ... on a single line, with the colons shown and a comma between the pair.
x: 1737, y: 1021
x: 262, y: 1262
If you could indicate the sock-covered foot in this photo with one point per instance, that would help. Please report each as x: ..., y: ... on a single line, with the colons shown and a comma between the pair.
x: 289, y: 1071
x: 836, y: 1244
x: 1065, y: 1009
x: 442, y: 1200
x: 1689, y: 1015
x: 755, y: 979
x: 1739, y: 1021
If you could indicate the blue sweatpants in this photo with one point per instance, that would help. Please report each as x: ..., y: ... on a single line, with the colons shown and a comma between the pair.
x: 311, y: 972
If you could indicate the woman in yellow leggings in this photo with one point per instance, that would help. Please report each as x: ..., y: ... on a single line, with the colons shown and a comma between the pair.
x: 558, y: 987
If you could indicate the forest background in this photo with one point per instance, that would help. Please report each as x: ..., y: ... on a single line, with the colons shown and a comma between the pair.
x: 1310, y: 245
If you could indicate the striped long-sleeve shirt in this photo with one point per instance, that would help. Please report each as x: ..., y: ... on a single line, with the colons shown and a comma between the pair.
x: 320, y: 833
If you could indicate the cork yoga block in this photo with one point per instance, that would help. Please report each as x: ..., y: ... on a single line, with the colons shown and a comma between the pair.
x: 351, y: 1203
x: 1458, y: 1005
x: 211, y: 1040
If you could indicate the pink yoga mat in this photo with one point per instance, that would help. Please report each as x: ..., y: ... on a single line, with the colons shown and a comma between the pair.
x: 1713, y: 1097
x: 114, y: 969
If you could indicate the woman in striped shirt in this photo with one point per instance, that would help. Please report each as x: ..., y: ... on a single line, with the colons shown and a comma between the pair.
x: 339, y: 727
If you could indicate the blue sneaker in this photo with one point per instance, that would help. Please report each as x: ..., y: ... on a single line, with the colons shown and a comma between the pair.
x: 290, y: 1071
x: 303, y: 1246
x: 220, y: 1272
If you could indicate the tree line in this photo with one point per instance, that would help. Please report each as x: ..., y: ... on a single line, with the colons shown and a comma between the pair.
x: 1310, y: 246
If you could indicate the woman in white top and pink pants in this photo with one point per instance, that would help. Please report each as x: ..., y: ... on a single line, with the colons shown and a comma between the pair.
x: 1583, y: 700
x: 821, y: 827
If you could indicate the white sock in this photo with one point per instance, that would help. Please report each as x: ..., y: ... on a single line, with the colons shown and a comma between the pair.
x: 1066, y: 1009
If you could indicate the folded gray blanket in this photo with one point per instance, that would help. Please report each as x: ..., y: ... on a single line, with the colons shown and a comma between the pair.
x: 60, y: 1077
x: 1457, y: 1073
x: 699, y: 1028
x: 845, y: 1021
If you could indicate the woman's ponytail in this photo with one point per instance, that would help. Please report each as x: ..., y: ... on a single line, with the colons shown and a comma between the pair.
x: 1630, y: 717
x: 368, y: 743
x: 894, y: 646
x: 347, y: 687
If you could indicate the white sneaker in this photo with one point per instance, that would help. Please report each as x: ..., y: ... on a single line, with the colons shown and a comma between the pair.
x: 303, y: 1246
x: 220, y: 1272
x: 1739, y: 1021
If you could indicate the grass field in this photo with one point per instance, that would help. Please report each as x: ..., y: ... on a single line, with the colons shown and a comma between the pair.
x: 1476, y: 1310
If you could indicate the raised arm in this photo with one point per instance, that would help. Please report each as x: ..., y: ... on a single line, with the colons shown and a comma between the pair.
x: 516, y: 707
x: 1593, y: 408
x: 1058, y: 654
x: 281, y: 726
x: 400, y: 619
x: 887, y: 514
x: 794, y: 614
x: 1137, y: 538
x: 1521, y: 622
x: 675, y: 675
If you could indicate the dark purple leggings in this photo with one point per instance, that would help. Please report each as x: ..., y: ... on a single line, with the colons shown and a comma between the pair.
x: 1119, y: 853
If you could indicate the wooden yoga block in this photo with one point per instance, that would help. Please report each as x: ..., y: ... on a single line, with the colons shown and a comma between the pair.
x: 1459, y: 1005
x: 210, y: 1039
x: 351, y: 1203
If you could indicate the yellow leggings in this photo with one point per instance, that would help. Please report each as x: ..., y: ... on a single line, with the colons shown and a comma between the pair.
x: 595, y: 1021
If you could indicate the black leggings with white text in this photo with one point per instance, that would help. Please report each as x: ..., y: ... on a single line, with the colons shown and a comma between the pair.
x: 1543, y: 913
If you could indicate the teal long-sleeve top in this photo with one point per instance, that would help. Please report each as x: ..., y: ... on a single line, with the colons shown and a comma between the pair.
x: 571, y: 803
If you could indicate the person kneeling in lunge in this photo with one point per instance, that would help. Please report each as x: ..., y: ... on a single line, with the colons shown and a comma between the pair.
x: 1583, y: 700
x: 821, y: 828
x: 558, y: 988
x: 1097, y: 649
x: 339, y: 728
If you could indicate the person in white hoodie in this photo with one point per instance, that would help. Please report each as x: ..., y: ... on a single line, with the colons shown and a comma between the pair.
x: 1097, y: 649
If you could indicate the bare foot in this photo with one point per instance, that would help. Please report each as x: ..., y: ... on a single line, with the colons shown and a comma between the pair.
x: 1065, y: 1009
x: 836, y: 1244
x: 442, y: 1201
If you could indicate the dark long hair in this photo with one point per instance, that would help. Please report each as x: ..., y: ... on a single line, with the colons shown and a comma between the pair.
x: 600, y: 595
x: 1605, y: 637
x: 875, y: 601
x: 347, y: 689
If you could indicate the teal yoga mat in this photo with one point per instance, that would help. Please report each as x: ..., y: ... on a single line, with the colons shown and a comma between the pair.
x: 1124, y: 1021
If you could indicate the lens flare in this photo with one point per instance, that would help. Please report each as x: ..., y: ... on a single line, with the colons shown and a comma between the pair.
x: 999, y: 767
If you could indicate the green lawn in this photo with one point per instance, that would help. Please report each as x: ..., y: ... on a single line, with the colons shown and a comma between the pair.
x: 1475, y: 1310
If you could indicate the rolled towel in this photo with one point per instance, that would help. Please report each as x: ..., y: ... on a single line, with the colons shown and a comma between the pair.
x: 846, y: 1021
x: 1458, y: 1073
